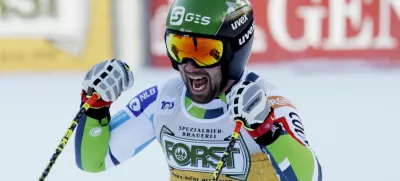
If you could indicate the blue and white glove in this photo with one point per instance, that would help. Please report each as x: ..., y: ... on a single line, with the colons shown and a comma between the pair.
x: 109, y: 79
x: 249, y: 103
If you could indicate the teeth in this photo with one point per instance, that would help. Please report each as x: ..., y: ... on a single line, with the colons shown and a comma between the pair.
x: 195, y: 78
x: 194, y: 85
x: 198, y: 88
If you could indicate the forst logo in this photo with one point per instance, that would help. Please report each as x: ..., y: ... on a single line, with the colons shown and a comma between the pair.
x: 203, y: 155
x: 185, y: 155
x: 178, y: 15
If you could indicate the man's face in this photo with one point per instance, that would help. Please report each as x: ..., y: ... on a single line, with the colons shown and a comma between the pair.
x: 203, y: 84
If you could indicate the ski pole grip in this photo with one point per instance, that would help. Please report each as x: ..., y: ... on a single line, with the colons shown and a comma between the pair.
x: 89, y: 103
x: 238, y: 125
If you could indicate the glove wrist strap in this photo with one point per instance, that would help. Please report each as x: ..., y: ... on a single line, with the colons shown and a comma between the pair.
x: 264, y: 127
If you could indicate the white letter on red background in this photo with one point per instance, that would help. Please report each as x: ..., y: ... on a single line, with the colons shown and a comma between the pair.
x: 312, y: 15
x: 384, y: 40
x: 339, y: 12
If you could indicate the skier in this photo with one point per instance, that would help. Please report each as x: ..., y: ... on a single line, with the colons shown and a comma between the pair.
x: 192, y: 116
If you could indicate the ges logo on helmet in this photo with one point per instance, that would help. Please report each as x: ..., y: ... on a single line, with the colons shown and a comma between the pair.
x: 178, y: 15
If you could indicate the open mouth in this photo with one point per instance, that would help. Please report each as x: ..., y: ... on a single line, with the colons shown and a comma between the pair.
x: 198, y: 83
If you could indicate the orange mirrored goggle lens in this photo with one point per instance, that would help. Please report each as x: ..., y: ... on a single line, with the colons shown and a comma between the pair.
x: 203, y: 51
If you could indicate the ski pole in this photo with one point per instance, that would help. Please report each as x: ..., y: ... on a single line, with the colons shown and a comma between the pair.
x: 68, y: 134
x: 231, y: 144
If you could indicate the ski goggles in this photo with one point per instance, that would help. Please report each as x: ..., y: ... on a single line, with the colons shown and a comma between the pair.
x: 205, y: 52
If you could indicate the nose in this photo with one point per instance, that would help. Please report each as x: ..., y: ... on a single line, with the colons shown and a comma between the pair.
x: 190, y: 67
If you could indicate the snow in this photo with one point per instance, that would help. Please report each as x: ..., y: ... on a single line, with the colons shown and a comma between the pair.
x: 351, y: 120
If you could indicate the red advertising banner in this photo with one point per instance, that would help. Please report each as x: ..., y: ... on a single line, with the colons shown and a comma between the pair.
x: 296, y: 30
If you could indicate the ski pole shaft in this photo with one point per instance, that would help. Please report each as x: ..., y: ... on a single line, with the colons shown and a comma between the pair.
x: 234, y: 138
x: 68, y: 134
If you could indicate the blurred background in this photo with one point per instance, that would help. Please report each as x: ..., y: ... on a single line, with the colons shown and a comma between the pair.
x: 337, y: 60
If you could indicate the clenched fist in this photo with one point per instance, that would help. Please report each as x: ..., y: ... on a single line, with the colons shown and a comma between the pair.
x: 109, y: 79
x: 249, y: 104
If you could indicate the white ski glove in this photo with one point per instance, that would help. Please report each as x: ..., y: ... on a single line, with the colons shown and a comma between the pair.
x: 109, y: 79
x: 249, y: 104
